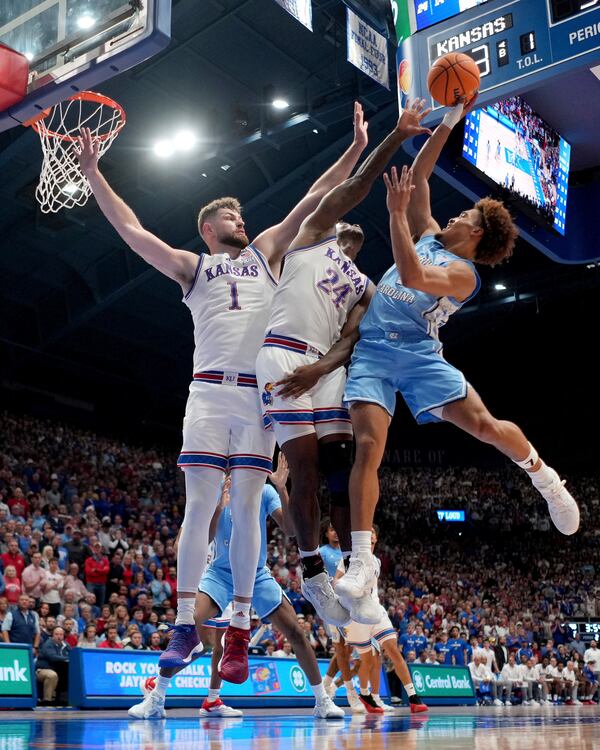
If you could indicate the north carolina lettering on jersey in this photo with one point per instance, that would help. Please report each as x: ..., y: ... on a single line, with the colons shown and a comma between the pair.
x: 223, y: 269
x: 395, y: 294
x: 347, y: 267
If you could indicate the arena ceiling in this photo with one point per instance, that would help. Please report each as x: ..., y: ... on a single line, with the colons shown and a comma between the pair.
x: 81, y: 314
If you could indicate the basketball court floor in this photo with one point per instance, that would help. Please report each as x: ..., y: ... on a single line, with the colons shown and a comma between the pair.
x: 561, y: 728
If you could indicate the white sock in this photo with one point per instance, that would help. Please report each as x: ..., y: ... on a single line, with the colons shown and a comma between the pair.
x: 542, y: 477
x: 410, y: 689
x: 185, y: 610
x: 308, y: 552
x: 364, y: 691
x: 319, y: 691
x: 162, y: 683
x: 376, y: 698
x: 349, y: 687
x: 361, y: 541
x: 327, y: 680
x: 241, y: 615
x: 213, y: 694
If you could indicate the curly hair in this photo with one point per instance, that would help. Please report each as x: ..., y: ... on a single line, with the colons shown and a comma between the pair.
x: 499, y: 233
x: 207, y: 212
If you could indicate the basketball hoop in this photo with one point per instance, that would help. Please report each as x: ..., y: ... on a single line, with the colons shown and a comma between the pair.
x: 62, y: 184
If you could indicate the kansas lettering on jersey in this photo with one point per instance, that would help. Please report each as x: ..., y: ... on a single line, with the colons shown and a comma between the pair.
x: 230, y: 302
x: 406, y: 311
x: 318, y: 288
x: 270, y: 502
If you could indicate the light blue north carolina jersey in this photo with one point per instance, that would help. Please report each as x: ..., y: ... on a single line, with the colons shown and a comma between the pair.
x: 331, y: 558
x: 269, y: 504
x: 399, y: 309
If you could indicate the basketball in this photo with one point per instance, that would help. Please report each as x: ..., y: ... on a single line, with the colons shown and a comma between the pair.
x: 452, y: 76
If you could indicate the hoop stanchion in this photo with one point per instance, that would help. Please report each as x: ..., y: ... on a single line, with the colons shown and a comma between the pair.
x: 62, y: 184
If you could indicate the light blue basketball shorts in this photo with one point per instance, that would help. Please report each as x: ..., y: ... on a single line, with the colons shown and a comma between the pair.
x: 416, y: 369
x: 218, y: 585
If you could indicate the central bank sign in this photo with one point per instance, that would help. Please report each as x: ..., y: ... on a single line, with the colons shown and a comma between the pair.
x: 15, y: 671
x: 433, y: 681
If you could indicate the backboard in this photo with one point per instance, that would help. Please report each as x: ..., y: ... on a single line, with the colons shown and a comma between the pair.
x: 74, y: 45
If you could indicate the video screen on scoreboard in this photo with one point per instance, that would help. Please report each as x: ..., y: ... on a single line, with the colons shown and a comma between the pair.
x: 430, y: 12
x: 516, y: 149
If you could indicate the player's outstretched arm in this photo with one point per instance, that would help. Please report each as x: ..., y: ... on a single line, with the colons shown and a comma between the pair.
x: 306, y: 377
x: 279, y: 478
x: 352, y: 191
x: 454, y: 280
x: 274, y: 242
x: 179, y: 265
x: 419, y: 215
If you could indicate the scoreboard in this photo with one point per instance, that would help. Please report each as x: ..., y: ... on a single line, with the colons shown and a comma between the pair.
x: 517, y: 45
x: 589, y: 630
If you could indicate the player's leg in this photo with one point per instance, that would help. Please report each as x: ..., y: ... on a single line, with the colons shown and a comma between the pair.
x: 270, y: 604
x: 471, y: 415
x: 204, y: 472
x: 334, y: 433
x: 155, y: 689
x: 293, y: 423
x: 335, y: 459
x: 390, y: 648
x: 204, y: 461
x: 213, y: 705
x: 250, y: 462
x: 365, y: 671
x: 370, y: 422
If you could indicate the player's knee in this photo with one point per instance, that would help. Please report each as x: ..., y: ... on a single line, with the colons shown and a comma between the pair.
x: 295, y: 635
x: 368, y: 448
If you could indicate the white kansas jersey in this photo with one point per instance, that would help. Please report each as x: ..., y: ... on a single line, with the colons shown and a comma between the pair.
x: 230, y: 302
x: 318, y: 288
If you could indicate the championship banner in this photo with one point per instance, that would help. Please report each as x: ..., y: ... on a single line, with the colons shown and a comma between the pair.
x: 443, y: 685
x: 300, y: 9
x: 367, y: 49
x: 17, y: 677
x: 402, y: 19
x: 112, y: 678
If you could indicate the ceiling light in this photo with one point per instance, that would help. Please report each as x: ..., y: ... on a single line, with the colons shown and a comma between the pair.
x: 184, y: 140
x: 86, y: 22
x: 499, y: 287
x: 225, y: 167
x: 163, y: 149
x: 280, y: 103
x: 29, y: 55
x: 70, y: 188
x: 204, y: 174
x: 315, y: 131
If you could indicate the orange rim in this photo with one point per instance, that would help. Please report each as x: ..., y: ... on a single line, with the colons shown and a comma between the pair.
x: 89, y: 96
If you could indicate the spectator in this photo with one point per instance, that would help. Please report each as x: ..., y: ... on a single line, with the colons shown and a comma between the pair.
x: 135, y: 642
x: 285, y: 652
x: 74, y: 584
x: 112, y: 638
x: 70, y: 631
x: 78, y: 551
x: 52, y: 587
x: 21, y: 625
x: 324, y: 646
x: 159, y: 589
x: 89, y: 637
x: 13, y: 556
x: 96, y: 572
x: 592, y: 656
x: 155, y: 643
x: 33, y: 578
x: 3, y: 609
x: 52, y: 666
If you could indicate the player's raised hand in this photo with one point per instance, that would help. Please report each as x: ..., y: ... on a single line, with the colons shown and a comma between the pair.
x: 399, y: 189
x: 361, y: 127
x: 87, y: 151
x: 280, y: 476
x: 409, y: 123
x: 301, y: 380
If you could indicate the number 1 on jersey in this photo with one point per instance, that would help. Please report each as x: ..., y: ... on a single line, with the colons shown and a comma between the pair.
x: 234, y: 296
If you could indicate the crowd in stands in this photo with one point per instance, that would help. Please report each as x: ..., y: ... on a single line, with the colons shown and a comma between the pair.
x: 544, y: 144
x: 87, y: 557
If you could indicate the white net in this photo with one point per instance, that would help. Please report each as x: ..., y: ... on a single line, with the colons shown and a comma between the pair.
x: 62, y: 185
